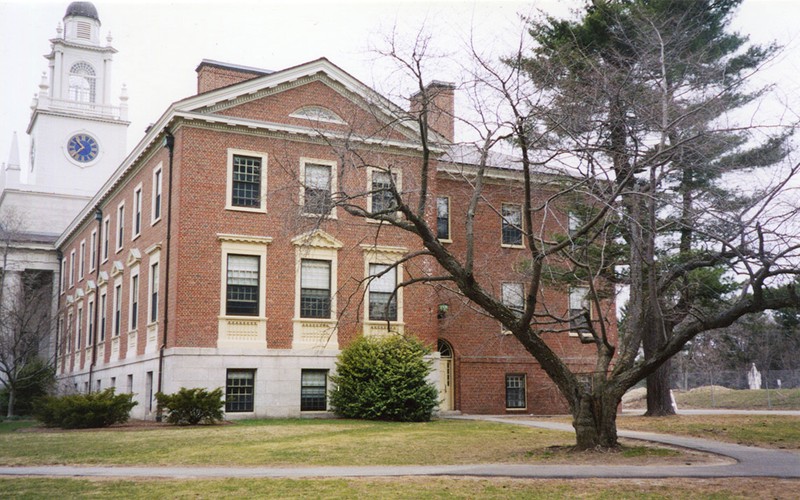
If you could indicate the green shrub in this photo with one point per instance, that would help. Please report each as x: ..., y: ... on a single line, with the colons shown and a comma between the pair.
x: 192, y: 406
x: 82, y: 411
x: 384, y: 379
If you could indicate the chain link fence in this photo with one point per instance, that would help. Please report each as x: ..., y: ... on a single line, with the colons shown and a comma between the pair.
x: 770, y: 379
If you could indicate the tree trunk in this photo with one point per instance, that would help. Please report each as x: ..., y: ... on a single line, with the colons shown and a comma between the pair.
x: 595, y: 421
x: 659, y: 400
x: 11, y: 402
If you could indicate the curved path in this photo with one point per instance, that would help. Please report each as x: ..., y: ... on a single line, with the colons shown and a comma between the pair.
x: 750, y: 462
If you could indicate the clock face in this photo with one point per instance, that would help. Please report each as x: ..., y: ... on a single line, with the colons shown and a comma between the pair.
x: 83, y: 148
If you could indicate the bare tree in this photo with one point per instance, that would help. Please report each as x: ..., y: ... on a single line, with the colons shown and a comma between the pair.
x: 600, y: 146
x: 25, y: 322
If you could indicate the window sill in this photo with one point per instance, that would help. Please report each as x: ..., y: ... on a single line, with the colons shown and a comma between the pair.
x: 136, y: 236
x: 244, y: 209
x: 517, y: 409
x: 331, y: 215
x: 386, y: 220
x: 154, y: 222
x: 445, y: 240
x: 518, y: 247
x: 584, y: 337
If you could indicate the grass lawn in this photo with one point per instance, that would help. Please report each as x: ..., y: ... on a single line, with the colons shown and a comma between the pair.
x: 770, y: 431
x: 313, y: 442
x: 404, y: 487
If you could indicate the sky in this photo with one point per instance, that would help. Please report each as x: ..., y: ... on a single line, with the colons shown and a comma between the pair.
x: 161, y: 43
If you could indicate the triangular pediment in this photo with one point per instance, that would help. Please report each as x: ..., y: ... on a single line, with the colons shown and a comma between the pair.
x: 117, y: 268
x: 134, y: 257
x: 317, y: 239
x: 323, y: 96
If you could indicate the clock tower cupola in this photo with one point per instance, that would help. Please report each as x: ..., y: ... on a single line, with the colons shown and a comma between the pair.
x: 77, y: 133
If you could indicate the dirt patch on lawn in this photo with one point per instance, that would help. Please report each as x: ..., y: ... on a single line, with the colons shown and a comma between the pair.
x: 630, y: 452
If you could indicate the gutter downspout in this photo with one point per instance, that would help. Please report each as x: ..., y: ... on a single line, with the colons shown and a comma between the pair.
x: 60, y: 257
x: 98, y: 216
x: 169, y: 142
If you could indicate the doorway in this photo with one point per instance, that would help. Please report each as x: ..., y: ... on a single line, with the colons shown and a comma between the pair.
x: 447, y: 401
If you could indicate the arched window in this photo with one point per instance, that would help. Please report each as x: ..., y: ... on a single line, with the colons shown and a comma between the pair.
x: 444, y: 348
x: 317, y: 113
x: 82, y: 83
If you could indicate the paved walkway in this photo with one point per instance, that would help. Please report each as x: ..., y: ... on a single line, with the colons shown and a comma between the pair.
x: 750, y: 462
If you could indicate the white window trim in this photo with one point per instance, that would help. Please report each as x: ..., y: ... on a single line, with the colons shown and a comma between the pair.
x: 398, y: 182
x: 117, y: 300
x: 256, y: 246
x: 93, y: 251
x: 82, y: 260
x: 132, y: 296
x: 502, y: 297
x: 154, y: 258
x: 72, y: 268
x: 521, y: 220
x: 243, y: 331
x: 102, y: 293
x: 68, y: 334
x: 63, y: 278
x: 316, y: 332
x: 158, y: 187
x: 119, y: 230
x: 229, y: 185
x: 136, y: 213
x: 589, y: 306
x: 106, y: 244
x: 78, y: 326
x: 334, y: 184
x: 91, y: 328
x: 388, y: 255
x: 449, y: 218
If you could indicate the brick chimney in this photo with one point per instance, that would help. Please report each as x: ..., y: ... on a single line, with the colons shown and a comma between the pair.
x: 212, y: 75
x: 441, y: 106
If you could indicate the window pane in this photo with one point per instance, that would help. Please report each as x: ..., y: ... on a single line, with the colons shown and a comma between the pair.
x: 239, y: 390
x: 315, y: 294
x: 378, y: 307
x: 315, y: 303
x: 512, y: 223
x: 316, y: 274
x: 242, y: 285
x: 578, y: 306
x: 313, y: 390
x: 512, y: 296
x: 380, y: 293
x: 382, y: 198
x: 246, y: 182
x: 515, y: 391
x: 384, y: 283
x: 443, y: 218
x: 317, y: 196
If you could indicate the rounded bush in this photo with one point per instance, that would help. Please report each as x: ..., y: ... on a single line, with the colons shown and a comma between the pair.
x: 192, y: 406
x: 384, y: 379
x: 83, y: 411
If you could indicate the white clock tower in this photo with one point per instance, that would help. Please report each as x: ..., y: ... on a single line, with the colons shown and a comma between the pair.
x: 77, y: 135
x: 77, y: 140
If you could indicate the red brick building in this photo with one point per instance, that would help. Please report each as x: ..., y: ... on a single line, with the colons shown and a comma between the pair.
x: 223, y: 253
